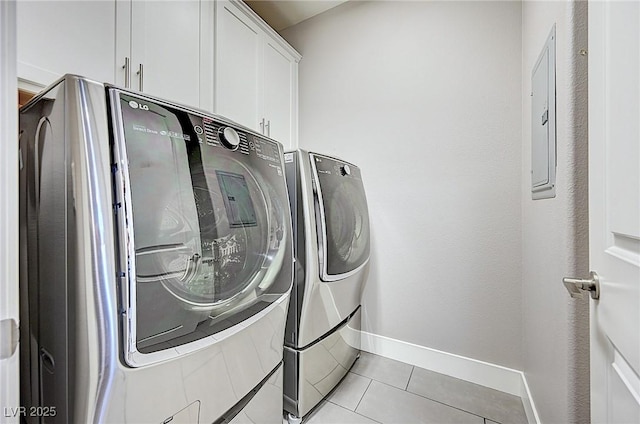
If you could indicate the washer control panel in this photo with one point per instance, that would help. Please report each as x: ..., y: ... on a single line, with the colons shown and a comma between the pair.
x: 229, y: 137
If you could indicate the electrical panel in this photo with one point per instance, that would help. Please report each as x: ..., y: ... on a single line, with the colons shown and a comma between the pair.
x: 543, y: 122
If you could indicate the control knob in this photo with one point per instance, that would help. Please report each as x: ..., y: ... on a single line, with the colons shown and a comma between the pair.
x: 229, y: 137
x: 345, y: 170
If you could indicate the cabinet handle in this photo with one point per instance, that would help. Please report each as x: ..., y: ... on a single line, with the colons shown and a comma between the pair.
x: 127, y: 73
x: 268, y: 127
x: 262, y: 126
x: 140, y: 74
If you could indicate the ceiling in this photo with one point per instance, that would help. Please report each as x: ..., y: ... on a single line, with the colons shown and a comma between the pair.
x: 281, y: 14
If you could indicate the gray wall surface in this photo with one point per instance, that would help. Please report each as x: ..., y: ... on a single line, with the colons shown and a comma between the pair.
x: 555, y: 231
x: 426, y: 98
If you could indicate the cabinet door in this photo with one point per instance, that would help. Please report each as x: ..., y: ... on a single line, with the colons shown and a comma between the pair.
x: 123, y: 43
x: 279, y: 105
x: 238, y: 49
x: 59, y: 37
x: 165, y: 41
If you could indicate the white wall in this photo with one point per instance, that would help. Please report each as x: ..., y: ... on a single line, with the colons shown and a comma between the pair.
x: 426, y: 98
x: 555, y: 231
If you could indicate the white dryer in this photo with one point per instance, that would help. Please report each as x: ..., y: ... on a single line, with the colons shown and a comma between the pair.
x: 331, y: 245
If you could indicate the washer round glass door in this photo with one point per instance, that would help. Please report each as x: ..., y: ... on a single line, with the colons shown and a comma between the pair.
x: 209, y: 224
x: 342, y: 216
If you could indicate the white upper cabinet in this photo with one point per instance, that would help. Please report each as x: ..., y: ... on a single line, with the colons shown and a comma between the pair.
x: 60, y: 37
x: 256, y: 74
x: 218, y: 56
x: 159, y: 49
x: 280, y: 94
x: 239, y: 46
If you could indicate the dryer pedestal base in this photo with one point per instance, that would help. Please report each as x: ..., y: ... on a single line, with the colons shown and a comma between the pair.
x: 311, y: 373
x: 264, y: 405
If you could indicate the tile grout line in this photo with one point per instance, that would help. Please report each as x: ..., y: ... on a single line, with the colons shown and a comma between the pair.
x: 363, y: 393
x: 369, y: 418
x: 406, y: 388
x: 485, y: 419
x: 357, y: 413
x: 452, y: 406
x: 433, y: 400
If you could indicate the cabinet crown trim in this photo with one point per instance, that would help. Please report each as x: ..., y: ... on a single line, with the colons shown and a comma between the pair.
x: 267, y: 28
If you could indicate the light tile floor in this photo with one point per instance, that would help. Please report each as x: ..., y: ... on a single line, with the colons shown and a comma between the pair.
x: 381, y: 390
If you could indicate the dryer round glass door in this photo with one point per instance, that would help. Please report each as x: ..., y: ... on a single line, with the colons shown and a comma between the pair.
x: 209, y: 225
x: 347, y: 227
x: 342, y: 215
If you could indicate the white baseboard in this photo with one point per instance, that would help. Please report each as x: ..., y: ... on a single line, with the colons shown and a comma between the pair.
x: 527, y: 402
x: 483, y: 373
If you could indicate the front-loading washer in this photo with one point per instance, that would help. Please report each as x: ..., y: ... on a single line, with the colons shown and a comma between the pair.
x: 155, y: 261
x: 331, y: 246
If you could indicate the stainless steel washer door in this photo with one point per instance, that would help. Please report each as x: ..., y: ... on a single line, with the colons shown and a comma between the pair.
x: 208, y: 244
x: 208, y: 226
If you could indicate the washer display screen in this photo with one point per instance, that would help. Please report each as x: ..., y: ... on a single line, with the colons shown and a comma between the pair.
x: 237, y: 199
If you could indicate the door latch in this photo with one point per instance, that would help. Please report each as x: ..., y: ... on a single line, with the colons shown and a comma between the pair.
x: 577, y: 286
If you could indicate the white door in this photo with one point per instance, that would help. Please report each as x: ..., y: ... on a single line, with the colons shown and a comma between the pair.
x: 614, y: 208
